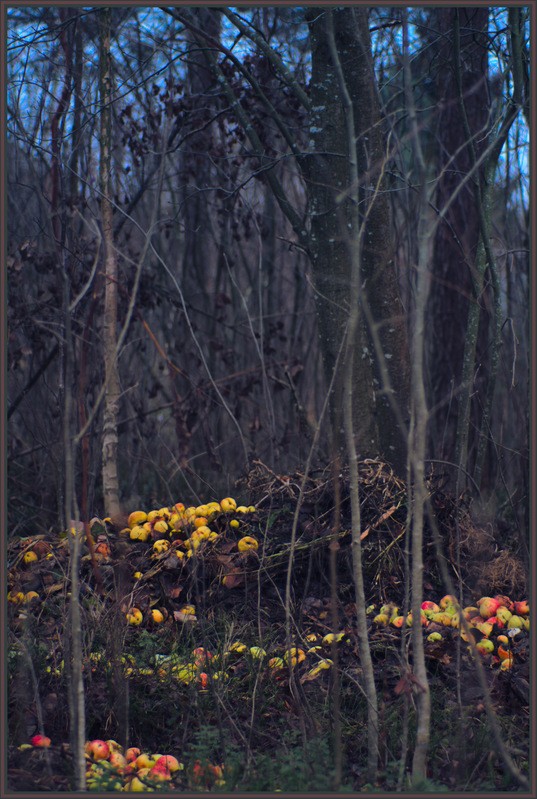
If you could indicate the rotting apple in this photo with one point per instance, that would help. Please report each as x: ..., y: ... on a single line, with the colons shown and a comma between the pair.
x: 515, y: 621
x: 132, y: 753
x: 247, y: 544
x: 507, y: 663
x: 504, y: 614
x: 470, y: 611
x: 485, y: 646
x: 522, y: 608
x: 134, y: 616
x: 228, y: 504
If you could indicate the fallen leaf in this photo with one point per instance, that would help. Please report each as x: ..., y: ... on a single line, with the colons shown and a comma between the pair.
x: 186, y: 618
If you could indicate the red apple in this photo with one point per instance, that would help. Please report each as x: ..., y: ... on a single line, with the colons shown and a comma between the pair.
x: 41, y: 741
x: 488, y: 606
x: 522, y: 608
x: 160, y: 773
x: 430, y: 606
x: 504, y: 601
x: 132, y: 753
x: 97, y: 749
x: 117, y: 760
x: 170, y: 762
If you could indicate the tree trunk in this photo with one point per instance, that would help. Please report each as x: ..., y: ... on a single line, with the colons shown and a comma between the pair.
x: 457, y: 237
x: 330, y: 209
x: 111, y: 400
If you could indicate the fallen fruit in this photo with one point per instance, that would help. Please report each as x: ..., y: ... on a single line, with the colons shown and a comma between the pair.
x: 448, y: 600
x: 507, y: 663
x: 136, y: 517
x: 381, y: 618
x: 485, y: 646
x: 514, y: 622
x: 522, y: 608
x: 132, y: 753
x: 295, y: 656
x: 97, y: 749
x: 488, y: 606
x: 40, y: 741
x: 170, y: 762
x: 157, y: 616
x: 30, y: 557
x: 247, y: 543
x: 137, y: 786
x: 160, y: 526
x: 228, y: 504
x: 159, y: 773
x: 134, y: 616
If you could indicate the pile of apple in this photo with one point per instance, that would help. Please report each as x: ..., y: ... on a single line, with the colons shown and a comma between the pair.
x: 177, y: 532
x: 184, y: 529
x: 109, y: 769
x: 497, y: 615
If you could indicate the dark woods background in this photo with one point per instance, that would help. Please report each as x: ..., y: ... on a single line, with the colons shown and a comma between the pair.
x: 179, y: 193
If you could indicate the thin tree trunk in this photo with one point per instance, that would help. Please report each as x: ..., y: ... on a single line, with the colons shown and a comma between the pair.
x: 354, y: 243
x: 111, y: 401
x: 418, y: 439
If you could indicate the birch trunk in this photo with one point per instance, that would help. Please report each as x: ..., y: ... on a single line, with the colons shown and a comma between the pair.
x: 112, y: 392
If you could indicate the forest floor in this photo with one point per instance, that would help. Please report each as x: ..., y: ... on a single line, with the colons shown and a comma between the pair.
x: 233, y: 648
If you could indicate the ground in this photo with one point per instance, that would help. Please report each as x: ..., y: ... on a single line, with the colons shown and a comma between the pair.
x: 215, y: 634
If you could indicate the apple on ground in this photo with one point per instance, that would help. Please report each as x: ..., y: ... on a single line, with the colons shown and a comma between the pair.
x: 522, y: 608
x: 40, y: 741
x: 97, y: 749
x: 160, y: 773
x: 132, y: 753
x: 485, y: 646
x: 487, y: 606
x: 137, y: 786
x: 515, y: 621
x: 430, y: 607
x: 118, y: 761
x: 146, y: 761
x: 170, y: 762
x: 447, y: 601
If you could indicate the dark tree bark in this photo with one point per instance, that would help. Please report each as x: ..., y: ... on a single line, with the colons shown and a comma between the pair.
x: 457, y: 237
x: 329, y: 191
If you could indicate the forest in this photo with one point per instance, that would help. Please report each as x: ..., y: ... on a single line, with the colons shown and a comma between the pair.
x: 267, y: 520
